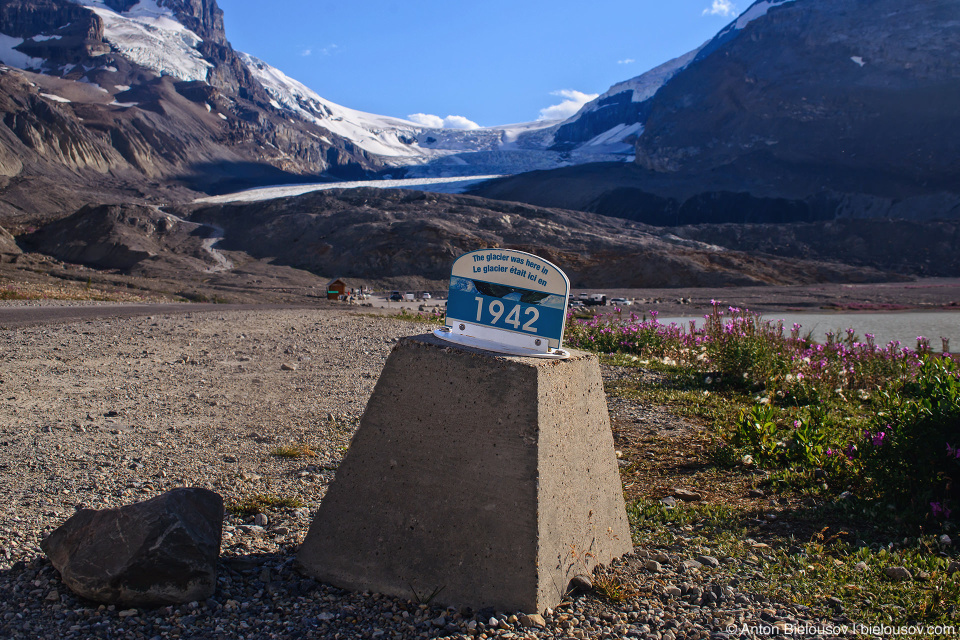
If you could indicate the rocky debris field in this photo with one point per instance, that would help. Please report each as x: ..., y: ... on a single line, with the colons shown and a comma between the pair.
x: 259, y: 406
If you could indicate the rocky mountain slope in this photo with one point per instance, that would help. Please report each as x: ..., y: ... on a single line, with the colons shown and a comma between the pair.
x: 140, y: 99
x: 378, y: 235
x: 134, y: 99
x: 798, y: 110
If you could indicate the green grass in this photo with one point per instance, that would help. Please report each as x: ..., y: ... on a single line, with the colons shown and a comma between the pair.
x: 825, y: 567
x: 421, y: 316
x: 259, y: 503
x: 14, y: 294
x: 295, y: 450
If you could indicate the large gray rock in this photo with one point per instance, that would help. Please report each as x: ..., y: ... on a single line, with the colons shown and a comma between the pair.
x: 485, y: 480
x: 159, y: 552
x: 8, y: 245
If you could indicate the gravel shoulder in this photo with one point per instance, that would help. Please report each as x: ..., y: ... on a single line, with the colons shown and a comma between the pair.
x: 105, y: 412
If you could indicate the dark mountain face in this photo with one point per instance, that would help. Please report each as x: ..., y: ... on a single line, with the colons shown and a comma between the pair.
x: 800, y: 110
x: 850, y: 85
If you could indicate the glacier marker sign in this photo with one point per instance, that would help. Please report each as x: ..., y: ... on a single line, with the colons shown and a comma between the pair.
x: 507, y: 301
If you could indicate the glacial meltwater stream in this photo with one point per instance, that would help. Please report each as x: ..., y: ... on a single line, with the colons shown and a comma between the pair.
x: 903, y: 326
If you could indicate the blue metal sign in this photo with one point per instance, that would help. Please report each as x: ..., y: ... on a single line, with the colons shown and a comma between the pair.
x: 511, y: 299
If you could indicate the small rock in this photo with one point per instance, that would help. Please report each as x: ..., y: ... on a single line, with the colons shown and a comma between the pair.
x: 710, y: 561
x: 690, y: 564
x: 954, y: 567
x: 230, y: 459
x: 533, y: 620
x: 898, y: 573
x: 660, y: 556
x: 669, y: 502
x: 672, y: 590
x: 923, y: 576
x: 53, y: 596
x: 265, y: 575
x: 756, y: 493
x: 582, y: 582
x: 286, y: 366
x: 326, y: 616
x: 127, y: 613
x: 261, y: 520
x: 154, y: 553
x: 653, y: 566
x: 252, y: 529
x: 861, y: 566
x: 945, y: 540
x: 686, y: 495
x: 845, y: 495
x: 820, y: 474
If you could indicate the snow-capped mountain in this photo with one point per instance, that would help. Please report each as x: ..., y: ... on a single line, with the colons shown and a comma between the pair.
x: 150, y: 36
x: 612, y: 122
x: 421, y: 151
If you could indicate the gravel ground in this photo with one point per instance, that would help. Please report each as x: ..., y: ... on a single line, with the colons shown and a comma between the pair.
x: 108, y: 412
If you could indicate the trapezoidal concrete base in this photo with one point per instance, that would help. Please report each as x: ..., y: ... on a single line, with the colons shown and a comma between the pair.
x: 487, y: 480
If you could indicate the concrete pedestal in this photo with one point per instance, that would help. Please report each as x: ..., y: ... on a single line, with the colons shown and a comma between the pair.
x: 489, y: 480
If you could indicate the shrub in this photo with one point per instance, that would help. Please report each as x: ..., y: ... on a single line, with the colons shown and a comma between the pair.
x: 911, y: 451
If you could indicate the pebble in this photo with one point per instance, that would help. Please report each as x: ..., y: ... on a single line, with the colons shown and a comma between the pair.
x: 709, y: 561
x: 898, y: 573
x: 261, y: 520
x: 686, y: 495
x: 582, y: 582
x: 533, y: 620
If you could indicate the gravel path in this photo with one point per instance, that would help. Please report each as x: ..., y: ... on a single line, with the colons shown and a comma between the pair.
x: 111, y: 411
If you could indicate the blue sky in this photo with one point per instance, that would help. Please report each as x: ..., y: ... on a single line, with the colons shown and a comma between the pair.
x: 488, y: 62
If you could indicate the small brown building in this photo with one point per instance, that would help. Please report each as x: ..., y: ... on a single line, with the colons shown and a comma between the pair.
x: 339, y: 287
x: 336, y: 288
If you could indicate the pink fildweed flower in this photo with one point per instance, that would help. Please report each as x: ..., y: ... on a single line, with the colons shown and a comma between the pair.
x: 939, y: 509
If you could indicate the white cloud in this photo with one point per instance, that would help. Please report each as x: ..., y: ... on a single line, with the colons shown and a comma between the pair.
x: 574, y: 100
x: 720, y: 8
x: 436, y: 122
x: 330, y: 49
x: 306, y: 52
x: 626, y: 61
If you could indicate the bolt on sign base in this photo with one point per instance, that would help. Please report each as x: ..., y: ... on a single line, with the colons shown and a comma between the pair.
x: 474, y: 479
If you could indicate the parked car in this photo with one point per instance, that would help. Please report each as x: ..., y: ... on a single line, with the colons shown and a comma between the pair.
x: 409, y: 296
x: 621, y: 302
x: 426, y: 295
x: 596, y: 299
x: 396, y: 297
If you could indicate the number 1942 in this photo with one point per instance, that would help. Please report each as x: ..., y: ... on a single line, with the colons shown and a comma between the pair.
x: 496, y: 309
